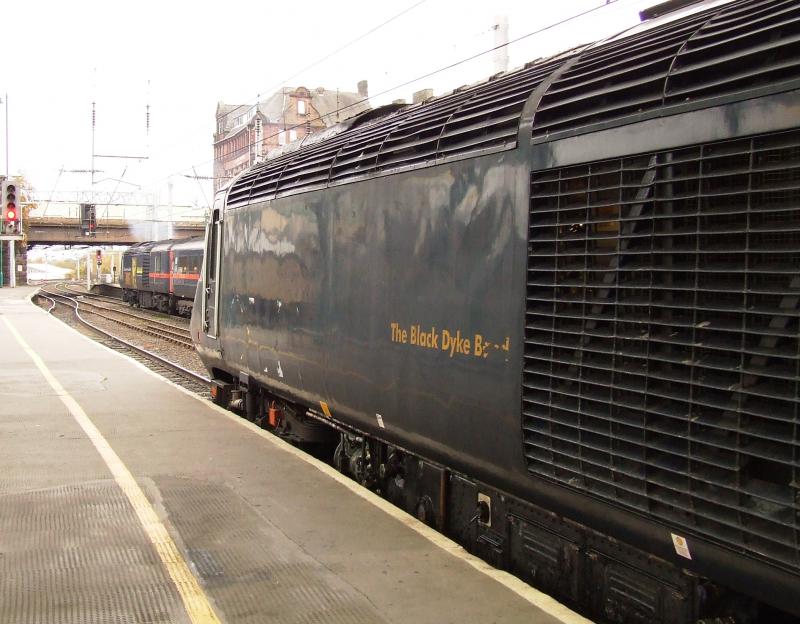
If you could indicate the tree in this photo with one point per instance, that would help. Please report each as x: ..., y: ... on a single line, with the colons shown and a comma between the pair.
x: 27, y: 202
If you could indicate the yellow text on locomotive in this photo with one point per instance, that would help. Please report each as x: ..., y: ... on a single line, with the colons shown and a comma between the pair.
x: 452, y: 342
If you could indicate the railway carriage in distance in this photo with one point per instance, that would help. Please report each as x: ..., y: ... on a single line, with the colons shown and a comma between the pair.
x: 554, y: 314
x: 162, y: 275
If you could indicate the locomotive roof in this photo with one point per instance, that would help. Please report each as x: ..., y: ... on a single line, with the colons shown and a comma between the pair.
x: 140, y: 247
x: 189, y: 244
x: 690, y: 59
x: 166, y: 245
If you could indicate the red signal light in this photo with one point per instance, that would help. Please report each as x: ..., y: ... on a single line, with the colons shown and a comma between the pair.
x: 11, y: 214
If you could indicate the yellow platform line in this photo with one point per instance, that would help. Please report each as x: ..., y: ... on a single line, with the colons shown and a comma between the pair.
x: 197, y: 604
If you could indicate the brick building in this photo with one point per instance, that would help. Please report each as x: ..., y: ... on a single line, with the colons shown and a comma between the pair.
x: 246, y: 133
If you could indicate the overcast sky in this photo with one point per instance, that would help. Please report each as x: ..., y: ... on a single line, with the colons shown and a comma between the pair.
x: 184, y: 57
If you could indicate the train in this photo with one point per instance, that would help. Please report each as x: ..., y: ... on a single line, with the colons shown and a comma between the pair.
x: 162, y: 275
x: 553, y: 314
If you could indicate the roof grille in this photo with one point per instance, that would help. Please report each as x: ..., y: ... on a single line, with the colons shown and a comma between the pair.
x: 415, y: 139
x: 483, y: 117
x: 754, y: 44
x: 264, y: 177
x: 614, y: 80
x: 740, y: 46
x: 491, y: 117
x: 662, y: 347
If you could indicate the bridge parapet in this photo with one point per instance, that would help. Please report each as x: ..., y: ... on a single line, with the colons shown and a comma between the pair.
x: 59, y: 230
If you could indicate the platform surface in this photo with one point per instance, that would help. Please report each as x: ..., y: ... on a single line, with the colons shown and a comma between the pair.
x: 264, y: 534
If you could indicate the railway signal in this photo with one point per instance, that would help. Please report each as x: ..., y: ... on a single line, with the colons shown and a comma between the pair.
x: 88, y: 219
x: 12, y: 223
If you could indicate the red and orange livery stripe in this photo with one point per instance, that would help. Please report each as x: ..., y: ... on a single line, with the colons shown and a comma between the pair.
x: 189, y: 276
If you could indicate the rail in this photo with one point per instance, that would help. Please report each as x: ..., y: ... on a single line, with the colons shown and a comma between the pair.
x: 75, y: 305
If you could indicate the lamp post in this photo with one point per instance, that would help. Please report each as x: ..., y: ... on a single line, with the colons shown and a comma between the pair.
x: 4, y: 100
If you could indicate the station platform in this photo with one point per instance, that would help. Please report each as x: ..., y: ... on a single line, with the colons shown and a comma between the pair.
x: 124, y: 498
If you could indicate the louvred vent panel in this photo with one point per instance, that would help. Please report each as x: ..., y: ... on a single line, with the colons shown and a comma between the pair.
x: 468, y: 121
x: 662, y: 352
x: 736, y: 47
x: 748, y: 45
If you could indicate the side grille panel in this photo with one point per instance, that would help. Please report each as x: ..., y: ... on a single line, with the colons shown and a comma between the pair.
x: 144, y: 259
x: 662, y: 352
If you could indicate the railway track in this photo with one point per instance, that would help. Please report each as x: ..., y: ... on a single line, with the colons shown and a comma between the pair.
x: 73, y: 289
x: 184, y: 377
x: 144, y: 323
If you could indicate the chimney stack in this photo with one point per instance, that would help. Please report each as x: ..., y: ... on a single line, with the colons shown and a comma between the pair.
x: 421, y: 95
x: 501, y: 44
x: 363, y: 88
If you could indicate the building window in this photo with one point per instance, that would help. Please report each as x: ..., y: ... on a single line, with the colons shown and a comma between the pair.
x: 292, y: 135
x: 301, y: 107
x: 282, y: 137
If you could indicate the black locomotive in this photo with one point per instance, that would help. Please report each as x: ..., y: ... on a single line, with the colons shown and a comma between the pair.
x: 162, y: 275
x: 554, y: 314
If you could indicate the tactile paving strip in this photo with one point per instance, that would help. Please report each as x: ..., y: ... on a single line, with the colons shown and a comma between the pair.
x: 253, y: 572
x: 41, y: 445
x: 77, y: 554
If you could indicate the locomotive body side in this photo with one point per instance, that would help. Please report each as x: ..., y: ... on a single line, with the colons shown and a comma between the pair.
x: 592, y: 336
x: 162, y: 275
x: 187, y: 260
x: 389, y: 297
x: 359, y: 301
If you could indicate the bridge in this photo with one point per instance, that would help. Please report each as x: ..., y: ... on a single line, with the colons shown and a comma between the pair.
x: 122, y: 218
x: 65, y: 230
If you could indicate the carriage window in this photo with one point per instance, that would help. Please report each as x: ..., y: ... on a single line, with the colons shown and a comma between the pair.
x: 186, y: 264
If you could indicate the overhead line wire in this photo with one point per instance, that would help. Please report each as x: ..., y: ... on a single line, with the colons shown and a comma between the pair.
x: 331, y: 54
x: 347, y: 45
x: 411, y: 81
